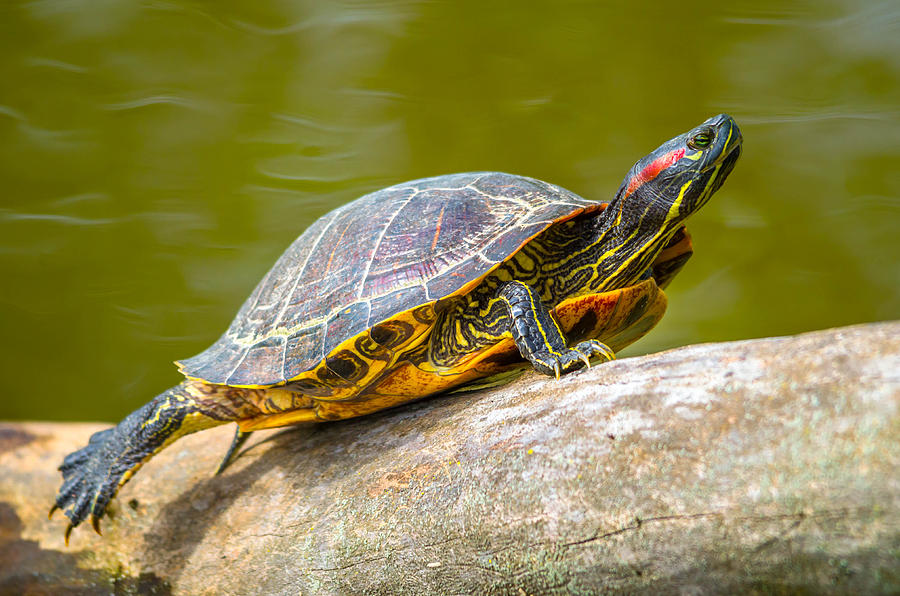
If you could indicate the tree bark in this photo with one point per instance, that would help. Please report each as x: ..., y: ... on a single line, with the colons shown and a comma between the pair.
x: 767, y: 465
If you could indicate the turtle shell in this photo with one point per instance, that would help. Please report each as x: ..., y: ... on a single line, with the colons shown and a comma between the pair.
x: 385, y: 253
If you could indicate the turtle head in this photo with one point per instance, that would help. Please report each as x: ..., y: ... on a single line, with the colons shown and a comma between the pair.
x: 679, y: 177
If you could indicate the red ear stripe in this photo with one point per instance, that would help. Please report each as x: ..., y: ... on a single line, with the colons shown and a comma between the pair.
x: 653, y: 169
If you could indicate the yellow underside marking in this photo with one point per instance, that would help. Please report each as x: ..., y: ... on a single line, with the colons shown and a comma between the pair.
x: 281, y: 419
x: 614, y: 310
x: 406, y: 382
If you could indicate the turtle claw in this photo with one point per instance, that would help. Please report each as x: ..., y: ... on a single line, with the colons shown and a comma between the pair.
x: 594, y: 347
x: 585, y: 359
x: 572, y: 359
x: 95, y: 522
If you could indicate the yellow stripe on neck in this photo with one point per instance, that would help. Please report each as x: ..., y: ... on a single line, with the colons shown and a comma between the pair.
x: 676, y: 206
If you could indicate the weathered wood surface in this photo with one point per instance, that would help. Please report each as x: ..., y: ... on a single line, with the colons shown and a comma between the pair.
x: 769, y: 465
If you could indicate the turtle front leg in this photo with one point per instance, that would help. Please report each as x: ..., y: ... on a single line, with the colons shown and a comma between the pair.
x: 538, y: 336
x: 94, y: 474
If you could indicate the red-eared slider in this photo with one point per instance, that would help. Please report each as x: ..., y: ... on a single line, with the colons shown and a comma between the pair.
x: 421, y: 287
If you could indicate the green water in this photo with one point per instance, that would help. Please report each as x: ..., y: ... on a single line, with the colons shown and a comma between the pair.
x: 156, y: 157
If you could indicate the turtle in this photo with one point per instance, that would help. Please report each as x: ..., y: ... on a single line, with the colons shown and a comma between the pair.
x: 421, y: 288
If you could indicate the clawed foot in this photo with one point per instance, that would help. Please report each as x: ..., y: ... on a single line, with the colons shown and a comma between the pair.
x: 87, y: 484
x: 93, y: 475
x: 556, y: 364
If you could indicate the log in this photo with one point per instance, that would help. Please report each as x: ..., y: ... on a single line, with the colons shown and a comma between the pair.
x: 767, y: 465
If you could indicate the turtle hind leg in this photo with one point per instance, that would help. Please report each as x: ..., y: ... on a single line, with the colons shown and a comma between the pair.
x: 539, y: 338
x: 93, y: 475
x: 239, y: 438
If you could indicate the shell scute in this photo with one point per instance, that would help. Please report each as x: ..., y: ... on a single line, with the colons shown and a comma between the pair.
x: 345, y: 323
x: 452, y: 280
x: 390, y: 251
x: 263, y: 355
x: 385, y: 306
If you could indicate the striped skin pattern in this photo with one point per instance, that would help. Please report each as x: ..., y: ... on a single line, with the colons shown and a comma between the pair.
x: 559, y: 264
x: 422, y: 287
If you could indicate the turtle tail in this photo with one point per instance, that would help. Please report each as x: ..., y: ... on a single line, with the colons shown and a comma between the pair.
x: 93, y: 475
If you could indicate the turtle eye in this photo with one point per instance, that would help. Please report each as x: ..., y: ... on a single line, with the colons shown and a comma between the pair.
x: 701, y: 140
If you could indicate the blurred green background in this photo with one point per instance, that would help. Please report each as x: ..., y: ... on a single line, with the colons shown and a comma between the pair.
x: 156, y: 157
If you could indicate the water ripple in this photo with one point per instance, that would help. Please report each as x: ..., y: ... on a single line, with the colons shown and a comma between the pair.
x: 68, y: 220
x: 337, y: 19
x: 80, y: 198
x: 44, y: 137
x: 56, y: 64
x: 864, y: 204
x: 313, y: 124
x: 776, y: 118
x: 12, y: 113
x: 153, y: 100
x: 54, y: 139
x: 179, y: 8
x: 884, y: 14
x: 373, y: 93
x: 303, y: 177
x: 254, y: 189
